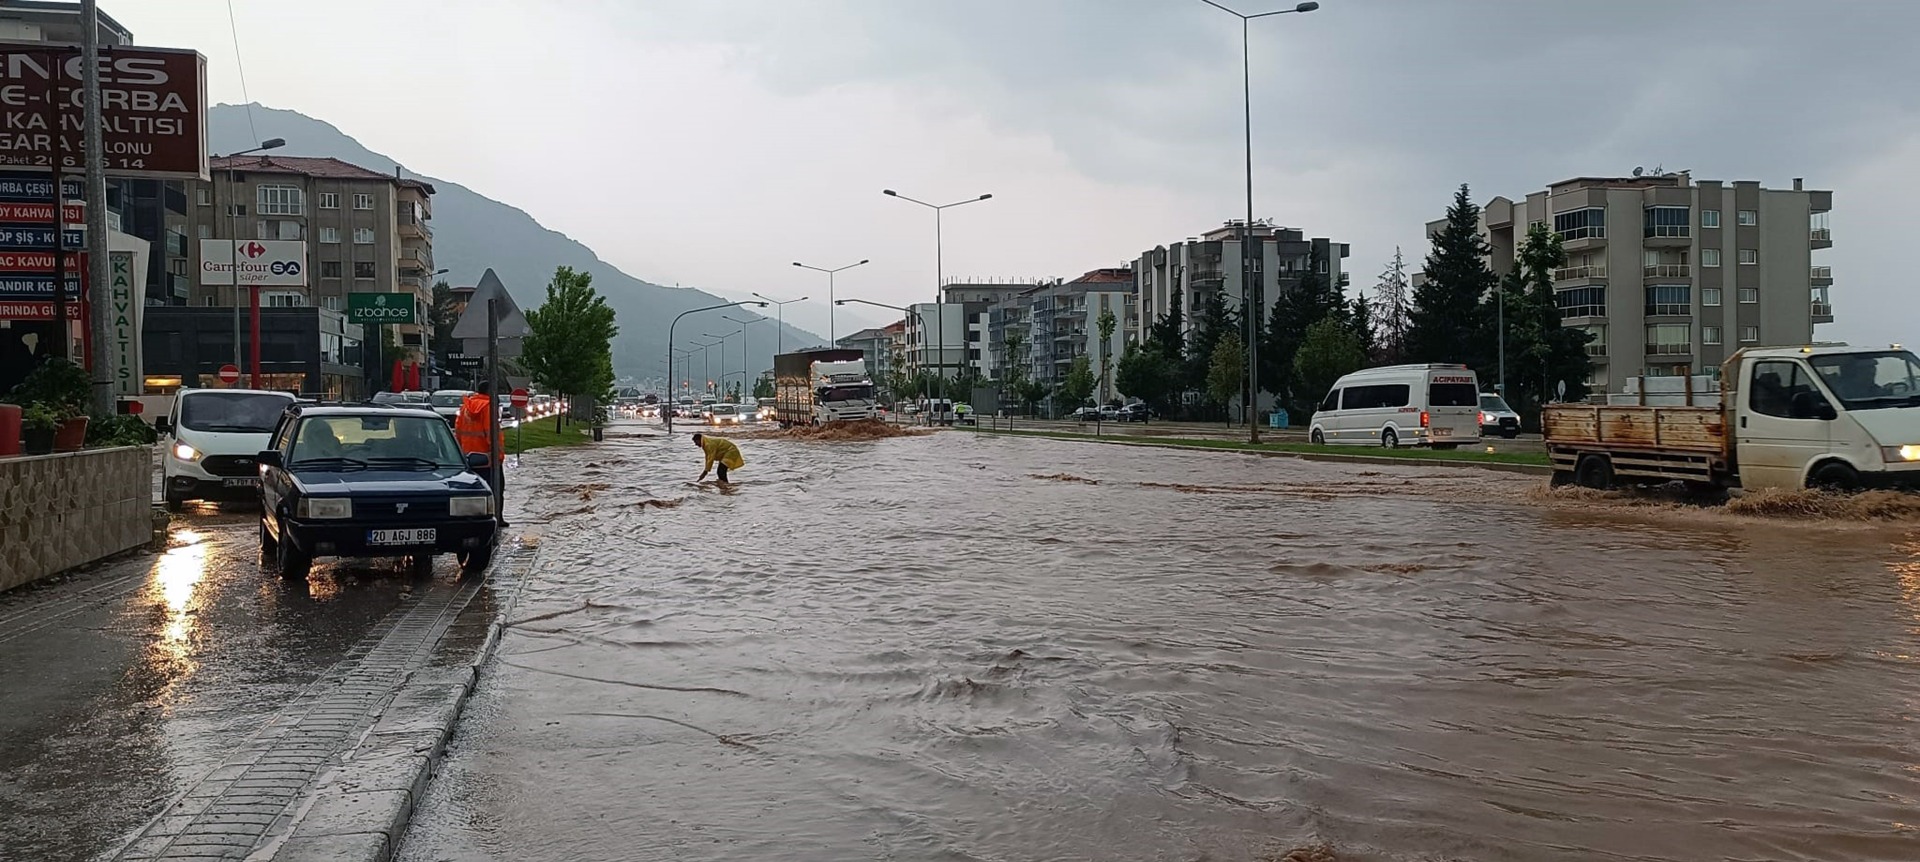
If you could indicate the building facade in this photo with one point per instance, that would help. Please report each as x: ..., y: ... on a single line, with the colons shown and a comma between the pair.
x: 1210, y: 264
x: 306, y: 351
x: 1669, y: 274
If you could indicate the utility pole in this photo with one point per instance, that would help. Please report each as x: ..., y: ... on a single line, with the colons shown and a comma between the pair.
x: 498, y: 470
x: 98, y: 266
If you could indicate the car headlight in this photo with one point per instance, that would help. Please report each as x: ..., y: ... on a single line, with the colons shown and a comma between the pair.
x: 470, y: 507
x: 1486, y: 418
x: 185, y: 453
x: 325, y: 507
x: 1897, y: 454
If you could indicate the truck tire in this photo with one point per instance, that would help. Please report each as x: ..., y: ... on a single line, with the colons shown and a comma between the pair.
x: 1594, y: 471
x: 1560, y: 479
x: 1834, y: 476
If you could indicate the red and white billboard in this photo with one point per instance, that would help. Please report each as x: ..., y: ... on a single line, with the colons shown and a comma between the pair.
x: 153, y: 105
x: 37, y: 310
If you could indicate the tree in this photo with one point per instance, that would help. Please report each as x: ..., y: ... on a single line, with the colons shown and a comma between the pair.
x: 440, y: 320
x: 1030, y: 392
x: 1106, y: 324
x: 1360, y: 320
x: 1145, y: 373
x: 1079, y: 383
x: 763, y: 388
x: 1227, y: 373
x: 1393, y: 308
x: 568, y: 348
x: 1169, y: 332
x: 1540, y: 352
x: 1212, y: 323
x: 1445, y: 323
x: 1329, y: 351
x: 1315, y: 298
x: 960, y: 386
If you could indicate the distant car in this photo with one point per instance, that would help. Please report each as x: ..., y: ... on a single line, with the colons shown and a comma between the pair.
x: 413, y: 399
x: 371, y: 481
x: 1087, y: 414
x: 724, y: 414
x: 446, y: 402
x: 1135, y: 413
x: 1109, y: 413
x: 1497, y: 418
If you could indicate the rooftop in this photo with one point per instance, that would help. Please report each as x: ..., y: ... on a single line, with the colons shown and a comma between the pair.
x: 327, y: 168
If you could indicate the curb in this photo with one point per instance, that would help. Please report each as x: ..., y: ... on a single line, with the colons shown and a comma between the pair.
x: 1497, y: 466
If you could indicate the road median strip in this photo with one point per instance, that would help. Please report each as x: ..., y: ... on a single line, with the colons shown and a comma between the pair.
x: 1509, y: 462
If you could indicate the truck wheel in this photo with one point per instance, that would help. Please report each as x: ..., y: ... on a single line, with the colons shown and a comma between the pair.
x: 1594, y: 471
x: 1834, y: 476
x: 1318, y: 438
x: 1389, y: 439
x: 1560, y: 479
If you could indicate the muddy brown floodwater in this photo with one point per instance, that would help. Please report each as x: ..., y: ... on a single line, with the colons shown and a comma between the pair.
x: 975, y: 648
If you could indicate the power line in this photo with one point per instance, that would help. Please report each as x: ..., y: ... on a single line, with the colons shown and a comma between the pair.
x: 234, y: 28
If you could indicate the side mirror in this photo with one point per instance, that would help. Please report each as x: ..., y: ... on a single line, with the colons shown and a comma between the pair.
x: 477, y: 460
x: 1826, y: 413
x: 162, y: 425
x: 1809, y: 405
x: 268, y: 457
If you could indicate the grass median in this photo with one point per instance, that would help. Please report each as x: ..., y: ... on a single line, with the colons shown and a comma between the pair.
x: 539, y: 434
x: 1475, y: 455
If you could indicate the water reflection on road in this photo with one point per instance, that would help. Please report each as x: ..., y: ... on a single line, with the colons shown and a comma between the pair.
x: 987, y: 648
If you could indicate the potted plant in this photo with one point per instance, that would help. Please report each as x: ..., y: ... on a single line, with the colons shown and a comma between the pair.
x: 38, y: 424
x: 62, y: 387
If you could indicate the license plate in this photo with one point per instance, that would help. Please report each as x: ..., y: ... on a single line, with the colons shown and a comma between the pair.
x: 242, y: 483
x: 422, y: 536
x: 1443, y: 432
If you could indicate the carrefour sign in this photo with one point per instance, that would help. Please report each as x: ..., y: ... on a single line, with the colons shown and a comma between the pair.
x: 379, y: 308
x: 273, y: 262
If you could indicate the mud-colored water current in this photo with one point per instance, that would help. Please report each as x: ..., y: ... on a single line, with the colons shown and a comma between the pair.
x: 975, y: 648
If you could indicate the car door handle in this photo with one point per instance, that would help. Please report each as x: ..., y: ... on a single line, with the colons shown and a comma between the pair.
x: 1743, y: 421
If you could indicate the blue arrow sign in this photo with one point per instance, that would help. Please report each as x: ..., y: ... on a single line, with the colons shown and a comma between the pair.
x: 16, y: 186
x: 35, y: 286
x: 35, y: 237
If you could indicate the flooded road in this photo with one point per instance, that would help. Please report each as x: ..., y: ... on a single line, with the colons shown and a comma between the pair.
x: 977, y: 648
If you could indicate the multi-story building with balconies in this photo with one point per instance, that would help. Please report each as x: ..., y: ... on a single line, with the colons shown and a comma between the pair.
x: 1670, y: 274
x: 1211, y: 264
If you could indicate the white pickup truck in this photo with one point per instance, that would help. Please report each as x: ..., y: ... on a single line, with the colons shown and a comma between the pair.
x: 1821, y: 416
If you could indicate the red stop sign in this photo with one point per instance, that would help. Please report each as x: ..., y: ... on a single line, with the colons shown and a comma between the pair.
x: 519, y: 397
x: 229, y: 374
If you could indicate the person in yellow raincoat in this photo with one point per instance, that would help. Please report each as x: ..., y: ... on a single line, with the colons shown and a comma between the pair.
x: 720, y: 451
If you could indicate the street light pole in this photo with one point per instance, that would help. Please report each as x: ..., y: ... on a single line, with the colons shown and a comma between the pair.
x: 746, y: 345
x: 926, y: 386
x: 939, y: 273
x: 832, y: 337
x: 723, y: 353
x: 1252, y: 306
x: 779, y: 310
x: 233, y: 241
x: 676, y: 322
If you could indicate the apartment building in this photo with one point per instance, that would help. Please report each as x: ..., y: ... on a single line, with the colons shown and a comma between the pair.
x: 876, y: 346
x: 1210, y: 264
x: 365, y: 231
x: 1671, y: 274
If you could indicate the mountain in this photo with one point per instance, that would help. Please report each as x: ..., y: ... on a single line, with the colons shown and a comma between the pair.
x: 473, y: 232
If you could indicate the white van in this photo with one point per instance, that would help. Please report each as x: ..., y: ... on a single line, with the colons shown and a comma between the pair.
x: 1401, y: 405
x: 215, y: 434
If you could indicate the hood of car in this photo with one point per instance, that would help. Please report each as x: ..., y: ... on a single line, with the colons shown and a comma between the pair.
x: 395, y: 482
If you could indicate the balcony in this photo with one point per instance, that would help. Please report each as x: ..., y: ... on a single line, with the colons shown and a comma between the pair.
x: 1669, y: 350
x: 1821, y: 237
x: 1576, y: 273
x: 1667, y: 270
x: 415, y: 259
x: 413, y: 228
x: 1599, y: 350
x: 1823, y: 312
x: 1206, y: 276
x: 1821, y: 275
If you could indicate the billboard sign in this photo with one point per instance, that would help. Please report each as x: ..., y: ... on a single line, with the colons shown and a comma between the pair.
x: 40, y: 213
x: 20, y: 186
x: 35, y: 261
x: 379, y: 308
x: 126, y: 296
x: 270, y: 262
x: 153, y: 105
x: 36, y: 285
x: 38, y: 310
x: 19, y: 236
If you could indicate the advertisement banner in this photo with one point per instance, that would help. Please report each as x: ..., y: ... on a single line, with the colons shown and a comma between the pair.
x: 36, y: 285
x: 40, y: 213
x: 30, y: 310
x: 36, y: 261
x: 126, y: 290
x: 379, y: 308
x: 20, y: 236
x: 153, y: 104
x: 17, y: 186
x: 269, y: 262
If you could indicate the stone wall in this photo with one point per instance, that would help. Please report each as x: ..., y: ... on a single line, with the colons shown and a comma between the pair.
x: 67, y: 510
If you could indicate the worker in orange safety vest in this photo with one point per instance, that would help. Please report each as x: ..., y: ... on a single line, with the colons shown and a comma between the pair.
x: 471, y: 423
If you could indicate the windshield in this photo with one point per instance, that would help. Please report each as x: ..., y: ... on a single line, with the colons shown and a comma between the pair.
x: 1867, y: 381
x: 725, y: 410
x: 413, y: 440
x: 448, y: 399
x: 1494, y: 403
x: 247, y: 412
x: 845, y: 393
x: 1452, y: 395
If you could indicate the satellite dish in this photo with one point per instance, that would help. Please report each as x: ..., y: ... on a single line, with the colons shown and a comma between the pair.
x: 1639, y: 171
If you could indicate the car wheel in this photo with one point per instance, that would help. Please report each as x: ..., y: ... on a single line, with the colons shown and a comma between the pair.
x: 1318, y: 438
x: 172, y: 502
x: 1390, y: 439
x: 293, y: 562
x: 1834, y: 476
x: 1594, y: 471
x: 269, y: 546
x: 476, y: 561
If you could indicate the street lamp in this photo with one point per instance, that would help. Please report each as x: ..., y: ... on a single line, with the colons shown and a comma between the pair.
x: 779, y: 310
x: 723, y: 353
x: 939, y: 271
x: 676, y: 322
x: 233, y: 258
x: 831, y: 335
x: 925, y: 386
x: 745, y: 347
x: 1252, y: 306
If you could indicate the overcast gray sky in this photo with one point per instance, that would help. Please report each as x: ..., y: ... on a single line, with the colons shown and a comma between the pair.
x: 712, y: 142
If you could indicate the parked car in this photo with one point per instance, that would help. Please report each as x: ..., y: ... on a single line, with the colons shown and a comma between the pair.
x: 371, y: 481
x: 1136, y: 413
x: 1497, y: 418
x: 1087, y: 414
x: 446, y: 402
x: 214, y: 436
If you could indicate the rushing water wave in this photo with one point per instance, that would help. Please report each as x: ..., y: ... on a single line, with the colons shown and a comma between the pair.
x: 962, y: 647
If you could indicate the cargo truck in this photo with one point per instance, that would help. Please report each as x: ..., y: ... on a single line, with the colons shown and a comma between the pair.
x: 814, y: 387
x: 1821, y: 416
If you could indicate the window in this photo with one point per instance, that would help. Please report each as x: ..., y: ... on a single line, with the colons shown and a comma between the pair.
x: 1669, y: 299
x: 178, y: 267
x: 1377, y: 396
x: 1749, y: 256
x: 973, y: 335
x: 1709, y: 218
x: 205, y: 197
x: 1597, y: 339
x: 1749, y: 217
x: 329, y: 200
x: 1777, y: 385
x: 209, y: 300
x: 1710, y: 297
x: 1332, y: 401
x: 363, y: 236
x: 1668, y: 221
x: 236, y: 210
x: 290, y: 230
x: 1749, y: 295
x: 329, y: 269
x: 1709, y: 257
x: 1590, y: 223
x: 280, y: 200
x: 329, y: 234
x: 1453, y: 395
x: 1709, y: 335
x: 333, y: 304
x: 1749, y: 334
x: 363, y: 269
x: 1669, y: 339
x: 206, y: 231
x: 285, y: 300
x: 1588, y: 301
x: 363, y: 202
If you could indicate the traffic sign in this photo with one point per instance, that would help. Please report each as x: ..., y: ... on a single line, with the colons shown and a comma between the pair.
x: 35, y: 236
x: 519, y: 398
x: 229, y: 374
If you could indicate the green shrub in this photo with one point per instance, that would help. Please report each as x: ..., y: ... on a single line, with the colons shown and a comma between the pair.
x: 119, y: 430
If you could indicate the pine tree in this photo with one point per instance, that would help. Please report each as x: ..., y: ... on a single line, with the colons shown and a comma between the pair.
x: 1540, y: 352
x: 1445, y: 323
x: 1392, y: 308
x: 1211, y: 323
x: 1328, y: 351
x: 1168, y: 333
x: 1361, y: 321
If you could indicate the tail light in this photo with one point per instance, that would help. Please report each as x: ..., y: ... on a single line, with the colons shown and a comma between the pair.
x: 1425, y: 420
